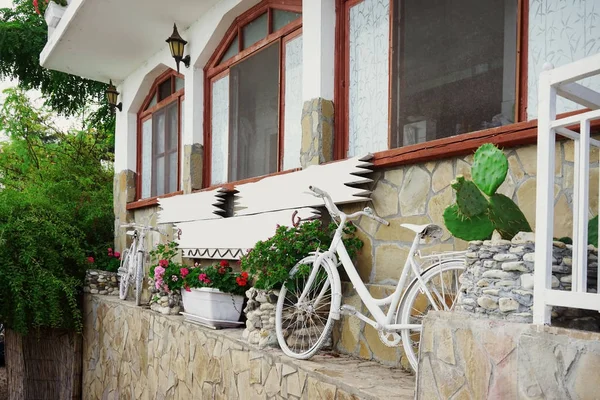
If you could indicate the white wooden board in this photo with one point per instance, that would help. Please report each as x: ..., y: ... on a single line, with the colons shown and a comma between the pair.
x: 191, y: 207
x: 229, y: 238
x: 288, y: 191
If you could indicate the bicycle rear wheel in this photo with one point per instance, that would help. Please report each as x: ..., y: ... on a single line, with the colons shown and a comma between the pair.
x: 124, y: 273
x: 441, y: 280
x: 303, y: 328
x: 139, y: 276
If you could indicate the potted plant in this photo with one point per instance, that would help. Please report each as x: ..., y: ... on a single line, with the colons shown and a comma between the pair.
x: 270, y: 262
x: 212, y: 294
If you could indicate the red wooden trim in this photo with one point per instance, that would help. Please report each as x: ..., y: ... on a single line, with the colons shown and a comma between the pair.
x: 270, y: 39
x: 151, y: 201
x: 522, y: 55
x: 160, y: 79
x: 163, y: 103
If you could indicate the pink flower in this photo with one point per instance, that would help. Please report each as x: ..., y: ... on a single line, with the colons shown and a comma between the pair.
x: 110, y: 251
x: 165, y: 288
x: 90, y: 260
x: 174, y: 278
x: 187, y: 288
x: 204, y: 279
x: 117, y: 254
x: 196, y: 264
x: 163, y: 263
x: 158, y: 272
x: 184, y: 272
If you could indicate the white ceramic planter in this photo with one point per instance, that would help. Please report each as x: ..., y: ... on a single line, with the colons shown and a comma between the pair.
x: 212, y: 304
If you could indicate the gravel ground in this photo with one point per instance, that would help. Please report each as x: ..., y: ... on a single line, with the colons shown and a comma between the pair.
x: 3, y: 389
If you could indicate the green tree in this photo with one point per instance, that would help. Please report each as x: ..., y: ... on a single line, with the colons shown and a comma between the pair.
x: 23, y: 35
x: 55, y: 212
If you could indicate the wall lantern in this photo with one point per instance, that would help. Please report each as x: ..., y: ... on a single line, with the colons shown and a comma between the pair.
x: 111, y: 95
x: 176, y: 44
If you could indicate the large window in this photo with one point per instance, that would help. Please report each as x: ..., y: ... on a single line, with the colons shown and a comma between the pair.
x: 255, y: 96
x: 418, y: 71
x: 159, y: 137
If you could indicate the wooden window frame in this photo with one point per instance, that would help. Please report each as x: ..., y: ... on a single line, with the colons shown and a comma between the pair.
x: 145, y: 114
x: 341, y: 89
x: 215, y: 70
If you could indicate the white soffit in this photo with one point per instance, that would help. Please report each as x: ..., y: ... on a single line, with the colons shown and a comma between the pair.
x: 230, y: 237
x: 191, y: 207
x: 288, y: 191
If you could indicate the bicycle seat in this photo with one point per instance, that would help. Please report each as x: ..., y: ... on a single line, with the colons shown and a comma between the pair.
x: 431, y: 230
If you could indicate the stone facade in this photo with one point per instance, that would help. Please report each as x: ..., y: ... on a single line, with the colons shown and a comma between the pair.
x: 317, y: 132
x: 193, y: 157
x: 419, y: 194
x: 260, y: 317
x: 133, y: 353
x: 463, y: 357
x: 101, y: 282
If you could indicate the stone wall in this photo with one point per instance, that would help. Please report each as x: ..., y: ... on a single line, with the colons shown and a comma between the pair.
x: 133, y: 353
x: 418, y: 194
x: 101, y: 282
x: 260, y: 317
x: 463, y: 357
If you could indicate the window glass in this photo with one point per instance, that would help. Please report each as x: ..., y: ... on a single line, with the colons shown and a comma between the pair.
x: 455, y: 69
x: 152, y: 102
x: 231, y: 51
x: 255, y: 31
x: 159, y: 132
x: 369, y: 77
x: 253, y: 115
x: 146, y: 158
x: 293, y: 104
x: 219, y: 130
x: 179, y: 83
x: 164, y: 90
x: 159, y: 165
x: 281, y: 18
x: 172, y: 178
x: 173, y: 119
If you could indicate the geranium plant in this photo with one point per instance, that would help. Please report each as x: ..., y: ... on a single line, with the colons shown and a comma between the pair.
x: 172, y: 276
x: 271, y: 260
x: 109, y: 261
x: 41, y: 5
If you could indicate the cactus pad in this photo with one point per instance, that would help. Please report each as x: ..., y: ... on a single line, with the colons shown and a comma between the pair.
x: 469, y: 199
x: 489, y: 169
x: 478, y: 227
x: 507, y: 217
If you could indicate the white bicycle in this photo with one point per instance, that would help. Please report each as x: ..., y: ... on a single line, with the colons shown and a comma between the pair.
x: 310, y: 300
x: 131, y: 269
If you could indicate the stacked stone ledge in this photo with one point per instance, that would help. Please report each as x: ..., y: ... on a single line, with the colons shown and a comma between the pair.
x: 498, y: 280
x: 101, y: 282
x: 260, y: 317
x: 163, y: 302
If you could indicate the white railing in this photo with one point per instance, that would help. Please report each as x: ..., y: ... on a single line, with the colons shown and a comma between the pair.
x: 562, y: 81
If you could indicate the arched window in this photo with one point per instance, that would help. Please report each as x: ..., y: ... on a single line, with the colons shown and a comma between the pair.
x: 254, y: 95
x: 159, y: 137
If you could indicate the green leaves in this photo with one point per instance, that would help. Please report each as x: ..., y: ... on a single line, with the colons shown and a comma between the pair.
x: 55, y: 211
x: 271, y: 260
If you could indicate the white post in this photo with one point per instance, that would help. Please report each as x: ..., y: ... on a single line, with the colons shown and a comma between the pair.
x: 582, y: 163
x: 545, y: 199
x: 318, y: 31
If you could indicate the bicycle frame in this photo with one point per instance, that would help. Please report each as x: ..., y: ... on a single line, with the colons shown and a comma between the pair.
x: 381, y: 321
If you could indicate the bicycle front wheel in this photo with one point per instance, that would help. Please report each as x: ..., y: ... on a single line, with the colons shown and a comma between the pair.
x: 303, y: 320
x: 139, y: 276
x: 124, y: 273
x: 442, y: 285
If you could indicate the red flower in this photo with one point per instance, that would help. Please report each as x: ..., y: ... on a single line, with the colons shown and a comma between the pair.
x: 117, y: 254
x: 110, y: 251
x: 187, y: 288
x: 222, y: 270
x: 241, y: 281
x: 163, y: 263
x: 244, y: 275
x: 184, y: 272
x: 224, y: 263
x: 90, y: 260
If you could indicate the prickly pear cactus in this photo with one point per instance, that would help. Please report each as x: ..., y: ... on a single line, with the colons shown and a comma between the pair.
x: 474, y: 217
x: 478, y: 227
x: 489, y: 169
x: 469, y: 199
x: 507, y: 217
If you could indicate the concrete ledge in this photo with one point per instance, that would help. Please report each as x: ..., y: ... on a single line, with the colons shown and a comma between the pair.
x: 131, y: 352
x: 463, y: 356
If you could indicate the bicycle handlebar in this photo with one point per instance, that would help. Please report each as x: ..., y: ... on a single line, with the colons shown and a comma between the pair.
x: 334, y: 210
x: 138, y: 226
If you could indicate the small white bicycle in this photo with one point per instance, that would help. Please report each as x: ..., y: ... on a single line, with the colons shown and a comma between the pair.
x: 131, y: 269
x: 310, y: 300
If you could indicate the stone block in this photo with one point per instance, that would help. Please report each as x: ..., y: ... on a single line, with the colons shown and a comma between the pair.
x: 414, y: 192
